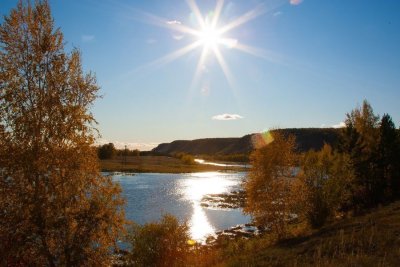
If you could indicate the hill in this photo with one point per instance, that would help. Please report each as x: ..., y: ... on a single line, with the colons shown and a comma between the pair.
x: 306, y: 138
x: 208, y: 146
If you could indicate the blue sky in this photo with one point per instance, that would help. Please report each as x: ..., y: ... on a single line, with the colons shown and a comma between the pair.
x: 311, y: 62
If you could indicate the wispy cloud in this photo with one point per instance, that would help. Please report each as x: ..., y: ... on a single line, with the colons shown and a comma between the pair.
x: 87, y: 38
x: 177, y: 37
x: 295, y: 2
x: 227, y: 117
x: 173, y: 22
x: 339, y: 125
x: 277, y: 14
x: 130, y: 145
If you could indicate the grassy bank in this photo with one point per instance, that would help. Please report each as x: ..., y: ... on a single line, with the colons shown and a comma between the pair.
x: 372, y: 239
x: 158, y: 164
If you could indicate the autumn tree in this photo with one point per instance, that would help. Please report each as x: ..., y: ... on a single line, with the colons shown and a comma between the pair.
x: 269, y: 184
x: 55, y: 207
x: 360, y: 141
x: 325, y: 182
x: 163, y: 243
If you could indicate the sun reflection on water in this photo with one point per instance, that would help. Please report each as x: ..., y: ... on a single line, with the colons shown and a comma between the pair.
x: 195, y: 187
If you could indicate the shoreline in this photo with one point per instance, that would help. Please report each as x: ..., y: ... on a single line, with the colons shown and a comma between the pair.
x: 164, y: 164
x: 133, y: 172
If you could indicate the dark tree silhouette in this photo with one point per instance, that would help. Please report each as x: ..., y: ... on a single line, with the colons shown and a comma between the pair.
x: 388, y: 158
x: 106, y: 151
x: 360, y: 141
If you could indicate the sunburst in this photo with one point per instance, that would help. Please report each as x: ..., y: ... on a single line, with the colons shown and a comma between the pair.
x: 209, y: 36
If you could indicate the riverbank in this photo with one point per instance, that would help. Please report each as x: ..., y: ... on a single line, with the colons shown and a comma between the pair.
x: 160, y: 164
x: 371, y: 239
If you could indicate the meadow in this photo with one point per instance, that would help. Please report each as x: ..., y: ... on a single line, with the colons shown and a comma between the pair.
x: 157, y: 164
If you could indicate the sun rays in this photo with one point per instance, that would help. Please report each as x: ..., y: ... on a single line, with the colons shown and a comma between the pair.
x: 209, y: 36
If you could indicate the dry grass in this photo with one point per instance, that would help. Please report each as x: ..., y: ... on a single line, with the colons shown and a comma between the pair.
x: 158, y: 164
x: 369, y: 240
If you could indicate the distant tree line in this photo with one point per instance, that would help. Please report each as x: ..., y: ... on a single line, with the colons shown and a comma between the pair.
x: 360, y: 172
x: 108, y: 151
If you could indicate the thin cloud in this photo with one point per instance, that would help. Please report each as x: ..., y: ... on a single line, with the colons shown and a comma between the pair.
x: 277, y: 14
x: 173, y: 22
x: 87, y: 38
x: 177, y: 37
x: 227, y: 117
x: 295, y: 2
x: 339, y: 125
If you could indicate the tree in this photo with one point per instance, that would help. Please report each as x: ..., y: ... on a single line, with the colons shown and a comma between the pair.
x: 360, y: 142
x: 159, y: 244
x: 269, y: 184
x: 55, y: 207
x: 325, y: 183
x: 106, y: 151
x: 388, y: 158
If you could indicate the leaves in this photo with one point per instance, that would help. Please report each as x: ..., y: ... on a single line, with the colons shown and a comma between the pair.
x: 159, y: 244
x: 269, y: 184
x: 55, y: 207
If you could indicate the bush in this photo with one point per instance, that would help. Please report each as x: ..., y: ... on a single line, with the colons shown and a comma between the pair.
x: 326, y: 180
x: 159, y: 244
x: 185, y: 158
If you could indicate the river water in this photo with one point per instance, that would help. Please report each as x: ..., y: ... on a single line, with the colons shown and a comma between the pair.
x: 150, y: 195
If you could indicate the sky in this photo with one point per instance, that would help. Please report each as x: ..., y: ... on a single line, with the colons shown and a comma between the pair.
x: 170, y: 70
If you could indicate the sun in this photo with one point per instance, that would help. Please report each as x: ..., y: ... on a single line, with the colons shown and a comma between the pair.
x: 209, y: 36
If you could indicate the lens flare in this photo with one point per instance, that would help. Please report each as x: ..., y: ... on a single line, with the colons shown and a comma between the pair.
x: 262, y: 139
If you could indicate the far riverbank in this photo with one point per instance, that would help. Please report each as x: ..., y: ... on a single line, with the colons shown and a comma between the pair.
x: 163, y: 164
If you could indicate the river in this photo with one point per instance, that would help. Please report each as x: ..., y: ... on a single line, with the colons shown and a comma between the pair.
x: 150, y: 195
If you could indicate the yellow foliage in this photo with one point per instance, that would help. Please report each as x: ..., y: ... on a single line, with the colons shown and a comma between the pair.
x: 270, y: 182
x: 55, y: 207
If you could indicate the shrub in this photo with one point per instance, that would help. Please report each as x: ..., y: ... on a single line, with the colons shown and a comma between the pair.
x: 159, y: 244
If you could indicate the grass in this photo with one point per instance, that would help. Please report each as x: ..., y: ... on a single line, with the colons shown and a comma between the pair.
x: 372, y: 239
x: 157, y: 164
